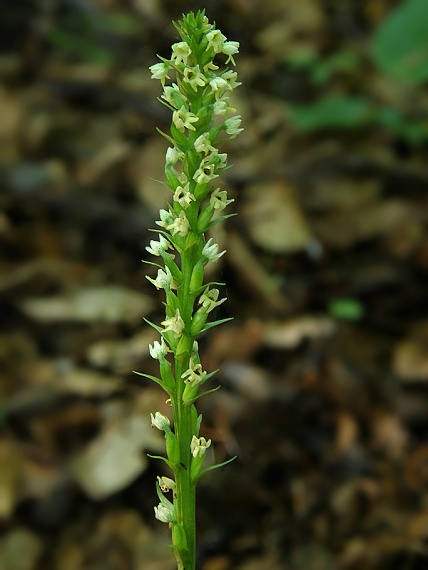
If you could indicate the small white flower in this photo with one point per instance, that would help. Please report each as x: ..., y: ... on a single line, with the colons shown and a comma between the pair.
x: 205, y: 174
x: 164, y: 280
x: 160, y: 421
x: 180, y: 53
x: 166, y: 484
x: 221, y: 107
x: 203, y: 144
x: 199, y: 445
x: 210, y: 251
x: 206, y: 24
x: 179, y: 226
x: 183, y: 196
x: 218, y: 199
x: 216, y: 40
x: 158, y: 349
x: 194, y: 77
x: 210, y: 66
x: 160, y: 71
x: 230, y: 49
x: 209, y: 299
x: 172, y: 95
x: 231, y: 76
x: 183, y: 119
x: 166, y: 218
x: 159, y: 247
x: 173, y: 155
x: 219, y: 86
x: 165, y: 513
x: 219, y: 159
x: 232, y: 125
x: 174, y: 324
x: 194, y: 374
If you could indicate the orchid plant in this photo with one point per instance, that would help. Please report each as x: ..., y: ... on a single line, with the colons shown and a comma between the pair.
x: 196, y: 91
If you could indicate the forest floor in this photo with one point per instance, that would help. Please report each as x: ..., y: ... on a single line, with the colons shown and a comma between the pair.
x: 324, y: 369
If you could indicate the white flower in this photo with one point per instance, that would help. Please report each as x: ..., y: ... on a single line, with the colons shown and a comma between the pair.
x: 232, y: 125
x: 198, y: 446
x: 216, y: 40
x: 174, y: 324
x: 164, y: 279
x: 160, y: 71
x: 203, y: 144
x: 206, y: 171
x: 166, y: 218
x: 160, y: 421
x: 165, y: 513
x: 159, y: 349
x: 210, y: 251
x: 205, y: 174
x: 159, y: 247
x: 166, y: 484
x: 183, y: 196
x: 230, y: 49
x: 221, y: 107
x: 183, y: 119
x: 231, y: 76
x: 179, y: 226
x: 194, y: 374
x: 219, y: 86
x: 172, y: 95
x: 173, y: 155
x: 209, y: 299
x: 218, y: 199
x: 194, y: 77
x: 219, y: 159
x: 206, y: 24
x: 210, y: 66
x: 180, y: 53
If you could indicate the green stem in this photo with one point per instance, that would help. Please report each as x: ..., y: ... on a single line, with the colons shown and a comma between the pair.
x: 186, y: 488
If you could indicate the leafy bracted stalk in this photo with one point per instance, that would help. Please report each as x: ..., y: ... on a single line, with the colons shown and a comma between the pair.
x: 201, y: 119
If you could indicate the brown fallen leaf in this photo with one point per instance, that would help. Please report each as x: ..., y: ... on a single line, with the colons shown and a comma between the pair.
x: 113, y: 460
x: 10, y: 477
x: 274, y: 218
x: 19, y: 550
x: 290, y: 333
x: 410, y: 360
x: 105, y: 303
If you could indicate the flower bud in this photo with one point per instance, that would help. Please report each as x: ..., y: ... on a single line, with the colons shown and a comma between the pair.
x: 172, y: 448
x: 197, y: 277
x: 198, y: 321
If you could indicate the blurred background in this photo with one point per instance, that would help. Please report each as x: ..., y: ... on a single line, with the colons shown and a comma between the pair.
x: 325, y: 366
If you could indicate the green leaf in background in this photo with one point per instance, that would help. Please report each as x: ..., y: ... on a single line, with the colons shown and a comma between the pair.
x: 346, y: 309
x: 400, y: 44
x: 332, y: 111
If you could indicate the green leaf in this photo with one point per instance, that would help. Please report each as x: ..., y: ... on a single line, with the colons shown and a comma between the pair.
x: 332, y: 111
x: 149, y: 377
x: 400, y: 44
x: 161, y: 458
x: 205, y: 393
x: 215, y: 323
x: 346, y: 309
x: 216, y: 466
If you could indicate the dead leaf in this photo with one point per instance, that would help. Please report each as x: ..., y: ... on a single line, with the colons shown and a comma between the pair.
x: 106, y: 303
x: 10, y: 478
x: 410, y: 360
x: 113, y: 460
x: 292, y: 332
x: 274, y: 218
x: 19, y: 550
x: 146, y: 171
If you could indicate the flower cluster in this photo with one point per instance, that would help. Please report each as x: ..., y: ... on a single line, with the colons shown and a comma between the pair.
x: 196, y: 90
